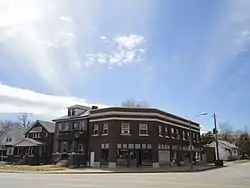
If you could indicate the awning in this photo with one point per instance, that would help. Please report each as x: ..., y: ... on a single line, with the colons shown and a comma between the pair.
x: 26, y: 142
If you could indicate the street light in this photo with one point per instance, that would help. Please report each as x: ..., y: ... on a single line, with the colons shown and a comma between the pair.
x: 191, y: 139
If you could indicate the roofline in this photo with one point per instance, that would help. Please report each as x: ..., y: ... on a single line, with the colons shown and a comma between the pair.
x: 156, y: 109
x: 34, y: 123
x: 71, y: 118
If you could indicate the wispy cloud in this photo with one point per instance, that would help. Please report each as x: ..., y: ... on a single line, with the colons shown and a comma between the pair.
x: 16, y: 100
x: 127, y: 50
x: 66, y: 19
x: 48, y: 41
x: 230, y: 38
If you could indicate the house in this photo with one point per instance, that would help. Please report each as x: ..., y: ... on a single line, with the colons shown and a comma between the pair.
x: 118, y: 136
x: 37, y: 145
x: 227, y: 151
x: 8, y: 139
x: 72, y: 135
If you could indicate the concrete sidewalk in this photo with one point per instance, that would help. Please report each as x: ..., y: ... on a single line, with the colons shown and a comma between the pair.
x: 169, y: 169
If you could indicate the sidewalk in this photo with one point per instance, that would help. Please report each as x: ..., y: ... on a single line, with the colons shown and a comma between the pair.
x: 169, y: 169
x: 172, y: 169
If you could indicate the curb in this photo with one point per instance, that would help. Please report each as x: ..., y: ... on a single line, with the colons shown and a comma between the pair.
x: 112, y: 172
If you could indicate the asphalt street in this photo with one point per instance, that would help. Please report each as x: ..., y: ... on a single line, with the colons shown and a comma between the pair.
x: 235, y: 176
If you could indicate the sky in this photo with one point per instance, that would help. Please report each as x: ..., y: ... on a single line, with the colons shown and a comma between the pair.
x: 185, y: 57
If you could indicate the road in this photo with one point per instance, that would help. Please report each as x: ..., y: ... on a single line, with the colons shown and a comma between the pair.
x: 236, y: 176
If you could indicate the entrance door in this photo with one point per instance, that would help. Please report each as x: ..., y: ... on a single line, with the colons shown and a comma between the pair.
x: 92, y: 158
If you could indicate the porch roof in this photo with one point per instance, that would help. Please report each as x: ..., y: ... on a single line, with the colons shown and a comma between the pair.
x: 28, y: 142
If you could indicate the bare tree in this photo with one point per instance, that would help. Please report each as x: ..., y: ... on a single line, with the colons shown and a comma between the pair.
x: 7, y: 123
x: 226, y: 132
x: 131, y: 103
x: 23, y: 118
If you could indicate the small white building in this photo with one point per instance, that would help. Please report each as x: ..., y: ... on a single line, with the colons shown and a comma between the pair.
x: 227, y: 150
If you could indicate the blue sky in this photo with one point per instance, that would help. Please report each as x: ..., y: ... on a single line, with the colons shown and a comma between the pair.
x: 185, y: 57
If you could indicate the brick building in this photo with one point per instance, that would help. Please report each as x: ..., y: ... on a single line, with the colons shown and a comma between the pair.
x: 118, y: 136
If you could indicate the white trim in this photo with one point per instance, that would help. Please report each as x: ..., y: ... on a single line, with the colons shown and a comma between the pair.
x: 141, y: 114
x: 141, y: 119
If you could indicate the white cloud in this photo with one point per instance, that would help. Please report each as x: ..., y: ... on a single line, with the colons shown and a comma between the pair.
x: 50, y: 45
x: 67, y: 19
x: 127, y: 51
x: 129, y: 42
x: 16, y: 100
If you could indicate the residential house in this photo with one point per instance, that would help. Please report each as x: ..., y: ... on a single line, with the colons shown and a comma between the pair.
x: 130, y: 137
x: 72, y: 135
x: 8, y: 139
x: 227, y: 151
x: 37, y: 145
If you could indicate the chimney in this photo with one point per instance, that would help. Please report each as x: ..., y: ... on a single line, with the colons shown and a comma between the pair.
x: 94, y: 107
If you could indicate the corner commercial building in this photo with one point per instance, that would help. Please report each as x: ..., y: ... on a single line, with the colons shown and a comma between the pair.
x: 118, y: 136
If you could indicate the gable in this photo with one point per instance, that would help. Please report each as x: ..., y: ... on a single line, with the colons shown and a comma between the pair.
x: 39, y: 125
x: 12, y: 135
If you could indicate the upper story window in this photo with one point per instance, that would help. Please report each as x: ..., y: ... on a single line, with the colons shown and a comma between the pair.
x: 82, y: 125
x: 36, y: 135
x: 65, y: 147
x: 8, y: 139
x: 183, y: 135
x: 197, y: 137
x: 160, y: 130
x: 59, y: 126
x: 166, y: 132
x: 95, y: 129
x: 194, y: 137
x: 177, y: 134
x: 188, y: 134
x: 66, y: 126
x: 71, y: 112
x: 143, y: 129
x: 173, y: 133
x: 75, y: 126
x: 105, y: 128
x: 125, y: 128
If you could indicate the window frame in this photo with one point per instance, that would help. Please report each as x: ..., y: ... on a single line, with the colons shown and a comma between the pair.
x: 173, y: 133
x: 65, y: 147
x: 66, y: 126
x: 80, y: 148
x: 160, y: 130
x: 36, y: 135
x: 9, y: 151
x: 183, y: 135
x: 95, y: 128
x: 105, y: 128
x: 82, y: 125
x: 125, y: 130
x: 75, y: 126
x: 143, y: 127
x: 166, y: 132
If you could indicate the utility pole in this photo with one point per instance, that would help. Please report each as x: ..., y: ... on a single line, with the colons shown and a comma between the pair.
x: 191, y: 147
x: 216, y: 137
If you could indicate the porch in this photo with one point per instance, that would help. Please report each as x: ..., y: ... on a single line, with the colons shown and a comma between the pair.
x: 29, y: 151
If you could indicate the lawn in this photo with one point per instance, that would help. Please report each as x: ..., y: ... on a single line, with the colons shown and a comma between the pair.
x: 30, y: 168
x: 243, y: 161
